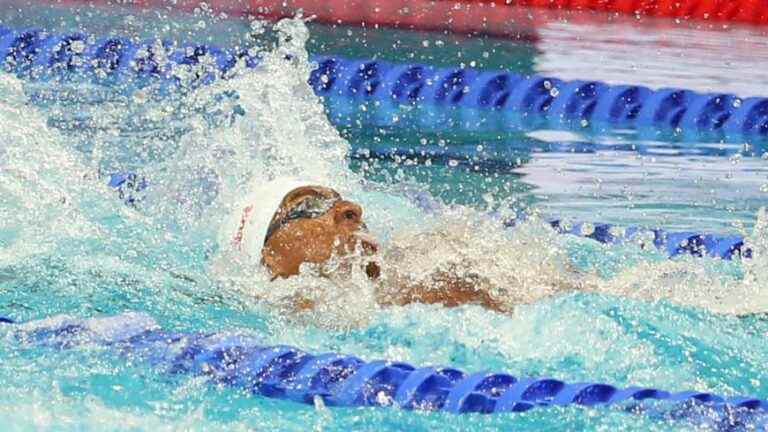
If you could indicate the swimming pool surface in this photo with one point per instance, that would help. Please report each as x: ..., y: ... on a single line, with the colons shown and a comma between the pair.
x: 68, y: 245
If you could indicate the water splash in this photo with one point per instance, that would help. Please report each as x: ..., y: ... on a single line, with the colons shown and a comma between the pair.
x: 68, y: 245
x: 42, y: 185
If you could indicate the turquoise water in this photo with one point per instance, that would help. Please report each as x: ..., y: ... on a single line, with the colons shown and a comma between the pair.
x: 68, y: 245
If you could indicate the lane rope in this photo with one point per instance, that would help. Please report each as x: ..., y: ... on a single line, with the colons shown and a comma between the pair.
x: 397, y: 95
x: 240, y: 360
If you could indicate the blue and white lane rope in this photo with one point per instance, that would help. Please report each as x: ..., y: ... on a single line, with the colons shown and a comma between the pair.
x: 671, y: 243
x: 241, y: 361
x: 461, y: 98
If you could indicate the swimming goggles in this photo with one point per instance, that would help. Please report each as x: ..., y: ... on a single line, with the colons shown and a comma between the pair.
x: 310, y: 207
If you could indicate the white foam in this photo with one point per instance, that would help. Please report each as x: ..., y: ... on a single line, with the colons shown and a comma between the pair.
x: 42, y: 184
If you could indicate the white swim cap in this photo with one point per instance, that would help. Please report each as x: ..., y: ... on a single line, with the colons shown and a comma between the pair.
x: 246, y: 226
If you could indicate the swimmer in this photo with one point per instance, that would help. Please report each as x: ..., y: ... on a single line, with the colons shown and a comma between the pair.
x: 315, y: 230
x: 314, y: 224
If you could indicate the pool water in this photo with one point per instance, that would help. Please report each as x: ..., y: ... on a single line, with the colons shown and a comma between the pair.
x: 68, y: 245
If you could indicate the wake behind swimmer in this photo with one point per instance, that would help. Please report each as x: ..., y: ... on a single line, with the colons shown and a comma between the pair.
x: 314, y: 231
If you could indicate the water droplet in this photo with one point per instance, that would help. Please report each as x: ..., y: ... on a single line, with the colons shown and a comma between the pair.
x: 140, y: 97
x: 453, y: 163
x: 488, y: 198
x: 318, y: 402
x: 617, y: 231
x: 77, y: 46
x: 383, y: 399
x: 736, y: 103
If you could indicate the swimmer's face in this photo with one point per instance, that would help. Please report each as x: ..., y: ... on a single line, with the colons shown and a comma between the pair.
x: 312, y: 225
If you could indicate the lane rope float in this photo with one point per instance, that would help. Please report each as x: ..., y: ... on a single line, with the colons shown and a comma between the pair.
x: 395, y: 95
x: 240, y: 360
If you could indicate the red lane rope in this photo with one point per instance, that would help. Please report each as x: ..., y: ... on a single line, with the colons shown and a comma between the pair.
x: 744, y: 11
x: 515, y: 19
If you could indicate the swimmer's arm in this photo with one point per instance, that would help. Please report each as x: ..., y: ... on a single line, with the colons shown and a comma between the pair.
x: 299, y: 303
x: 444, y: 288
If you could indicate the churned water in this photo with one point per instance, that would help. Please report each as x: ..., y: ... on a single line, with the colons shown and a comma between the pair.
x: 578, y: 310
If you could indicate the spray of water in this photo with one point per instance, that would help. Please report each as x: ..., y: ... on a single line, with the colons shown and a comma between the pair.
x: 278, y: 137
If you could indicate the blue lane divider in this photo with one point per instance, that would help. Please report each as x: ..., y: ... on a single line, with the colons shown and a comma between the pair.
x: 462, y: 98
x: 284, y: 372
x: 672, y: 243
x: 495, y: 100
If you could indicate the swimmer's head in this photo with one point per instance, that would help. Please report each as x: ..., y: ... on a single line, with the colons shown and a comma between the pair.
x: 312, y: 225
